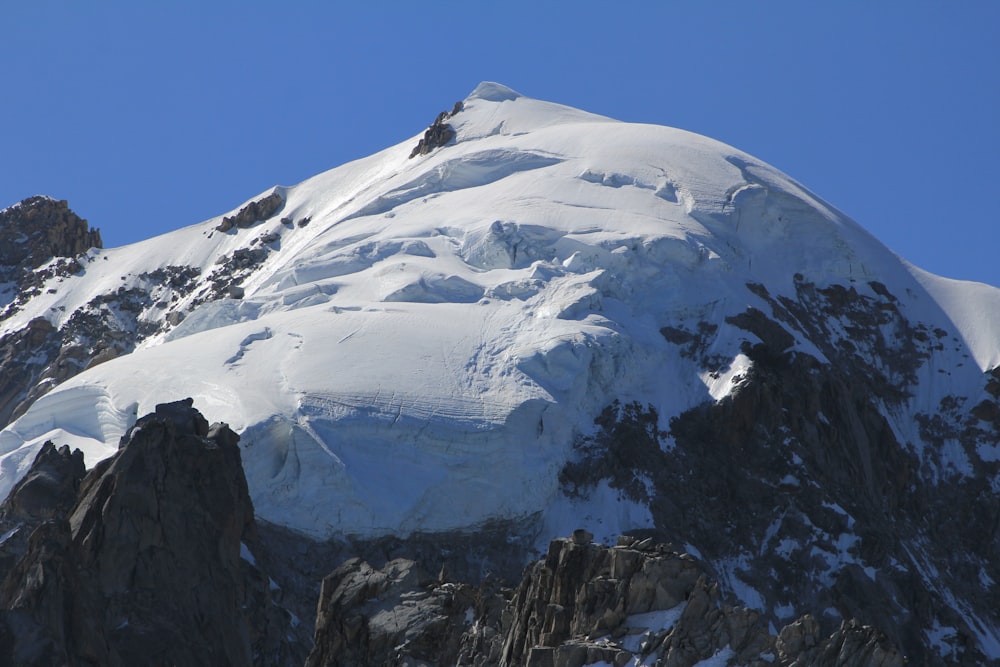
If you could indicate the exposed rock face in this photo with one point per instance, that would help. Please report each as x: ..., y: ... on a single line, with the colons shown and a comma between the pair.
x: 391, y: 616
x: 24, y: 357
x: 254, y: 212
x: 38, y: 229
x: 636, y: 603
x: 43, y: 242
x: 794, y: 486
x: 438, y: 134
x: 38, y: 357
x: 50, y: 488
x: 152, y: 565
x: 47, y: 492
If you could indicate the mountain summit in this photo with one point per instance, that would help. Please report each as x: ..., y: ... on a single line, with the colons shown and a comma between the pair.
x: 547, y: 319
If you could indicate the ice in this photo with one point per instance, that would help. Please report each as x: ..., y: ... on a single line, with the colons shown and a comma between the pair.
x: 449, y: 325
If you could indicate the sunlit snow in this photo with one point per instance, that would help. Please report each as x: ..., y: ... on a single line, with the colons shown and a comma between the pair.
x: 422, y: 354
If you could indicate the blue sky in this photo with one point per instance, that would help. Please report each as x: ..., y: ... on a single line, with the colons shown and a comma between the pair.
x: 151, y: 116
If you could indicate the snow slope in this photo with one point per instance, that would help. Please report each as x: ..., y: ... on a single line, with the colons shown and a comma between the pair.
x: 421, y: 355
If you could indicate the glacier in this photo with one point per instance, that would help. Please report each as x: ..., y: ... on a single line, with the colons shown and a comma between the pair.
x: 422, y: 354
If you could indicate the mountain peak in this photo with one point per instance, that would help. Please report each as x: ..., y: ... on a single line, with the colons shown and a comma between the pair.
x: 493, y: 92
x: 488, y: 330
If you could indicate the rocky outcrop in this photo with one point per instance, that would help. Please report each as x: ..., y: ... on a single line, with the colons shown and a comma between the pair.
x: 438, y: 134
x: 254, y: 212
x: 50, y: 488
x: 43, y: 242
x: 40, y: 239
x: 39, y: 356
x: 37, y: 229
x: 153, y: 564
x: 47, y: 492
x: 636, y: 603
x: 24, y: 356
x: 800, y: 644
x: 395, y: 615
x: 794, y: 486
x: 225, y: 281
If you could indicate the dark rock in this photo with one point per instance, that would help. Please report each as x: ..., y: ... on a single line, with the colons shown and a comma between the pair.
x: 24, y: 357
x: 438, y: 134
x: 800, y: 458
x: 50, y: 487
x: 254, y: 212
x: 270, y: 237
x: 579, y: 606
x: 153, y: 564
x: 36, y: 624
x: 36, y: 358
x: 391, y: 616
x: 38, y: 229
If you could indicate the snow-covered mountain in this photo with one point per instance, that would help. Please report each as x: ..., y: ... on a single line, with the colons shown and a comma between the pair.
x: 549, y: 318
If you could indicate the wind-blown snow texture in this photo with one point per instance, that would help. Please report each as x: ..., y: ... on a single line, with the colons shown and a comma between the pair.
x: 419, y: 341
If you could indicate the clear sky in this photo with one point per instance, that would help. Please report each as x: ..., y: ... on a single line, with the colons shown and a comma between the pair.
x: 148, y: 116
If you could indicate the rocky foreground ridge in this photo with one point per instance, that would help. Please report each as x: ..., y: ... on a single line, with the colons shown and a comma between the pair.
x: 143, y: 560
x: 149, y: 559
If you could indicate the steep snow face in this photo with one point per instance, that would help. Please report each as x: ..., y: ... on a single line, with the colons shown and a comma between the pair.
x: 414, y: 344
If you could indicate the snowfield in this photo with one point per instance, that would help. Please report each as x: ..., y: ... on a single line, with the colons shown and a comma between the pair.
x: 421, y: 354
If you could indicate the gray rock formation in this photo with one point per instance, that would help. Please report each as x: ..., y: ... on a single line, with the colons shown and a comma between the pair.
x: 390, y: 616
x: 795, y: 487
x: 43, y: 242
x: 49, y: 490
x: 153, y: 564
x: 636, y: 603
x: 438, y: 134
x: 37, y: 229
x: 254, y: 212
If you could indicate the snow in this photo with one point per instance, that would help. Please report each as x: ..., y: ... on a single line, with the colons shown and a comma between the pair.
x: 943, y: 638
x: 652, y: 621
x: 723, y: 383
x: 10, y: 533
x: 729, y: 570
x: 604, y: 512
x: 986, y: 632
x: 423, y: 354
x: 246, y: 554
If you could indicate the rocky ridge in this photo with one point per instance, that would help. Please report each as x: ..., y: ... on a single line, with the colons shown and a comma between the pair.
x: 150, y: 564
x: 827, y: 509
x: 584, y: 604
x: 150, y: 558
x: 33, y: 232
x: 43, y: 243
